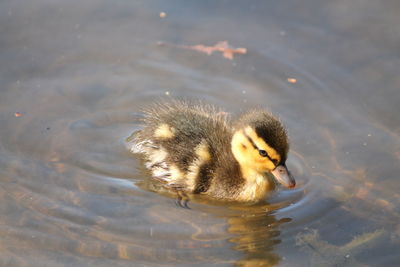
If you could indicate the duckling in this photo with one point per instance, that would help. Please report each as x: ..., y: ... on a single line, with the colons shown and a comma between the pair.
x: 197, y: 149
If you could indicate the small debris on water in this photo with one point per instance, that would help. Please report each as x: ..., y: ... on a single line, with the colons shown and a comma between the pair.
x: 292, y: 80
x: 163, y: 14
x: 227, y: 51
x: 223, y: 47
x: 17, y: 114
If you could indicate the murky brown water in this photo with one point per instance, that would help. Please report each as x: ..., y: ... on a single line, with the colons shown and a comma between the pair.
x: 75, y: 74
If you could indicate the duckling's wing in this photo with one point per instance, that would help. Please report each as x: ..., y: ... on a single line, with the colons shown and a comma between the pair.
x: 176, y: 136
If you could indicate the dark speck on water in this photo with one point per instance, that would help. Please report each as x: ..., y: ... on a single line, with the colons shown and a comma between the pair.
x: 81, y: 71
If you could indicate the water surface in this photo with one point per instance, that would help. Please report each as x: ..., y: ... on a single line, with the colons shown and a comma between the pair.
x: 74, y: 76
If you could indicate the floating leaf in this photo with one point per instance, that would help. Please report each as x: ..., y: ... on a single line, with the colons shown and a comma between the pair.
x: 223, y: 47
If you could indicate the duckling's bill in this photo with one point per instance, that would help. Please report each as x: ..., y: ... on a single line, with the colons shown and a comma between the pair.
x: 283, y: 176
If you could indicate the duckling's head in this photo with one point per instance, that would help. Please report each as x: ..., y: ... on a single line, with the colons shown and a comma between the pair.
x: 260, y: 144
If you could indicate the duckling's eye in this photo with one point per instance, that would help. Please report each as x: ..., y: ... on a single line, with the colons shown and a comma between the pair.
x: 263, y: 153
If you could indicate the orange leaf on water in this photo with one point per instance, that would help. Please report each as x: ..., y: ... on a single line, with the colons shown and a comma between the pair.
x: 223, y: 47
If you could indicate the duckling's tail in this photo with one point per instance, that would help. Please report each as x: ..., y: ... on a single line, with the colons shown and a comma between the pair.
x: 135, y: 144
x: 154, y: 156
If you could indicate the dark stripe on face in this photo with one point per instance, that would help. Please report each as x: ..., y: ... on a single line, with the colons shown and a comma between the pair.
x: 251, y: 141
x: 255, y: 147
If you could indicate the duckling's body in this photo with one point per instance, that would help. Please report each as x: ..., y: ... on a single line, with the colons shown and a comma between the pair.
x: 196, y: 149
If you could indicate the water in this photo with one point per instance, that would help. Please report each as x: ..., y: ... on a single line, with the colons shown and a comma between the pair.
x: 74, y: 76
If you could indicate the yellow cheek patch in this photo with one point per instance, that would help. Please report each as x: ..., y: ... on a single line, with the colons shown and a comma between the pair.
x: 261, y: 144
x: 248, y: 157
x: 240, y: 147
x: 262, y: 165
x: 164, y: 131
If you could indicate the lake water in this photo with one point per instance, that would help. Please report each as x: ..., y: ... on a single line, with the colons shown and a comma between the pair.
x: 74, y: 76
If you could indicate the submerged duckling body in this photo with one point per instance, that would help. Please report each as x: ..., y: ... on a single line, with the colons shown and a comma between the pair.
x: 197, y: 149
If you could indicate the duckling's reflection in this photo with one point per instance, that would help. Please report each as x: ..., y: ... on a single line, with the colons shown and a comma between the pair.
x: 254, y: 227
x: 256, y: 234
